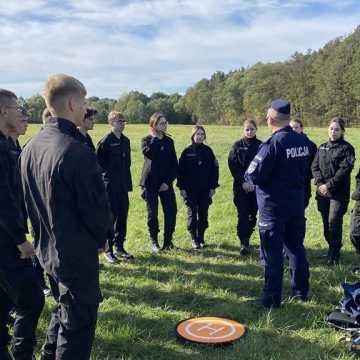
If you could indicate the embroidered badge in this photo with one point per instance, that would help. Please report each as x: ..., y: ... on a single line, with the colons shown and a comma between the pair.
x: 253, y: 165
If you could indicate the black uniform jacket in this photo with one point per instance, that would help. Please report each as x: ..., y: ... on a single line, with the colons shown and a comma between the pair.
x: 356, y: 194
x: 15, y: 150
x: 309, y: 175
x: 198, y: 169
x: 86, y: 140
x: 332, y: 166
x: 12, y: 231
x: 240, y: 157
x: 114, y: 157
x: 160, y: 162
x: 67, y: 206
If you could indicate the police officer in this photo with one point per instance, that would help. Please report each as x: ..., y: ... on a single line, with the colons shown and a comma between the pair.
x: 331, y: 169
x: 158, y: 174
x: 68, y: 209
x: 114, y: 156
x: 278, y: 171
x: 298, y: 126
x: 240, y: 157
x: 88, y: 124
x: 19, y: 286
x: 197, y: 180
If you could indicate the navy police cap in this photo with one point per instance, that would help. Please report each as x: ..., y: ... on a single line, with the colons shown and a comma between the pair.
x: 281, y: 106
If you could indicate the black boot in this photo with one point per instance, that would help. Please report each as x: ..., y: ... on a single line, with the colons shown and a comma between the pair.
x: 244, y: 248
x: 155, y: 247
x: 122, y: 253
x: 200, y: 238
x: 194, y: 241
x: 168, y: 245
x: 333, y: 256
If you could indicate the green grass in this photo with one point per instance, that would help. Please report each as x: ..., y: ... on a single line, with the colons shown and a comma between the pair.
x: 144, y: 300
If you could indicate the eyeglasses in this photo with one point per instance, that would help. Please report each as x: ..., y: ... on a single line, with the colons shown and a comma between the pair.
x: 119, y: 121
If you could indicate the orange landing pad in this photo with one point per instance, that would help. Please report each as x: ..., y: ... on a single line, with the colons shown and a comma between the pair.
x: 210, y: 330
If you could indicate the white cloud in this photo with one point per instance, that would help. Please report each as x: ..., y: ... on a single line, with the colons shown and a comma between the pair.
x: 155, y: 45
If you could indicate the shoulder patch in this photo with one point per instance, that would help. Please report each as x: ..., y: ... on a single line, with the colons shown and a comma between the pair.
x: 252, y: 167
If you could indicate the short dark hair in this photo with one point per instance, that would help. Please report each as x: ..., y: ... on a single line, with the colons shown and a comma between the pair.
x: 6, y: 96
x: 89, y: 113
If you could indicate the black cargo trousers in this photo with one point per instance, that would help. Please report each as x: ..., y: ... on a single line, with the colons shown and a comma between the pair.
x: 332, y: 212
x: 71, y: 330
x: 20, y: 290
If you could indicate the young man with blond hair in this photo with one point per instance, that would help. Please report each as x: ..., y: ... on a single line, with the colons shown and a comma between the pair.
x: 19, y: 287
x: 68, y: 209
x: 114, y: 157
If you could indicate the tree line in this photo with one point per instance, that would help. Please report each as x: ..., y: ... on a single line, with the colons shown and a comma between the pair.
x: 320, y: 85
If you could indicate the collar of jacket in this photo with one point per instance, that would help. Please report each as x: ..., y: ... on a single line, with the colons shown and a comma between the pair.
x: 249, y: 141
x: 2, y: 136
x: 285, y: 128
x: 336, y: 142
x: 66, y: 126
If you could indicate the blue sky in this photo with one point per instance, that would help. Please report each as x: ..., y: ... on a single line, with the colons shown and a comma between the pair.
x: 114, y: 46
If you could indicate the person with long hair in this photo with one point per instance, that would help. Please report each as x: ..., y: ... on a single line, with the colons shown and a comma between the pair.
x: 197, y: 180
x: 331, y: 169
x: 241, y: 154
x: 158, y: 174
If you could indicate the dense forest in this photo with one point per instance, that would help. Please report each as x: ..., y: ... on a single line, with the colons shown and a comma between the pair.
x: 320, y: 84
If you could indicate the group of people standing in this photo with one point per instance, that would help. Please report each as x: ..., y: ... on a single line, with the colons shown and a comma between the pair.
x: 75, y: 195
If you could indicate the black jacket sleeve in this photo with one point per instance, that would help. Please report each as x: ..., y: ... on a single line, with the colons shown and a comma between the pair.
x: 148, y: 147
x: 181, y: 173
x: 214, y: 174
x: 173, y: 168
x: 356, y: 194
x: 345, y: 168
x: 91, y: 197
x: 102, y: 154
x: 128, y: 163
x: 236, y: 168
x: 316, y: 171
x: 11, y: 219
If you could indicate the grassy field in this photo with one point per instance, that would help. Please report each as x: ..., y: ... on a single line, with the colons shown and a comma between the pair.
x: 144, y: 300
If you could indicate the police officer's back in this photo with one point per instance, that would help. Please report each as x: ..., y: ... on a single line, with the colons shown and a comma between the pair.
x: 278, y: 171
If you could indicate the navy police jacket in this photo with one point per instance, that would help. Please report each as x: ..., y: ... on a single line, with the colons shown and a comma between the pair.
x: 198, y: 169
x: 278, y: 171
